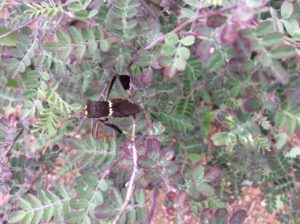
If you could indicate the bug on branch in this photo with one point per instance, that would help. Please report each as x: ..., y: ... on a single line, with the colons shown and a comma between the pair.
x: 112, y: 108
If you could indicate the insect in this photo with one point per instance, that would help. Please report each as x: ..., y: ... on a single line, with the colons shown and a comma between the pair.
x: 112, y: 108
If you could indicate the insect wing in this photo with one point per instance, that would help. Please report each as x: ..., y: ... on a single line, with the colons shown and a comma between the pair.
x: 125, y: 81
x: 124, y: 108
x: 97, y: 109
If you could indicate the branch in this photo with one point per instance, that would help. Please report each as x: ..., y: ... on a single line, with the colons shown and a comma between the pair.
x: 131, y: 181
x: 16, y: 29
x: 153, y: 202
x: 12, y: 144
x: 176, y: 30
x: 116, y: 39
x: 110, y: 167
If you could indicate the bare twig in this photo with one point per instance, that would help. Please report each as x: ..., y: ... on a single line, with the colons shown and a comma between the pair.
x: 176, y: 30
x: 114, y: 38
x: 131, y: 181
x: 110, y: 167
x: 16, y: 29
x: 149, y: 10
x: 153, y: 203
x: 11, y: 145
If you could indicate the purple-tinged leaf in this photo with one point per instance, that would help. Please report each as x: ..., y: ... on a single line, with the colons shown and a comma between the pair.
x: 216, y: 61
x: 286, y: 10
x: 103, y: 211
x: 171, y: 196
x: 152, y: 144
x: 221, y: 216
x: 146, y: 163
x: 260, y: 76
x: 146, y: 76
x: 256, y: 3
x: 272, y: 39
x: 239, y: 65
x: 251, y: 104
x: 171, y: 169
x: 7, y: 174
x: 181, y: 199
x: 116, y: 197
x: 207, y: 215
x: 272, y: 103
x: 205, y: 50
x: 170, y: 72
x: 125, y: 164
x: 179, y: 64
x: 127, y: 147
x: 243, y: 15
x: 283, y: 51
x: 165, y: 61
x: 280, y: 74
x: 166, y: 155
x: 214, y: 20
x: 228, y: 33
x: 238, y: 217
x: 213, y: 174
x: 243, y: 45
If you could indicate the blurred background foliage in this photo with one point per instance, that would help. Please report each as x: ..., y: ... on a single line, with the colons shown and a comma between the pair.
x: 218, y: 82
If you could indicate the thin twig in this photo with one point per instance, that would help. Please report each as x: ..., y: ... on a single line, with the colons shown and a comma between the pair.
x: 12, y: 144
x: 149, y: 10
x: 176, y: 30
x: 16, y: 29
x: 153, y: 202
x: 131, y: 181
x: 116, y: 39
x: 110, y: 167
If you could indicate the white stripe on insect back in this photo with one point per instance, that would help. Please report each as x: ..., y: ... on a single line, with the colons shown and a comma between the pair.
x: 110, y: 104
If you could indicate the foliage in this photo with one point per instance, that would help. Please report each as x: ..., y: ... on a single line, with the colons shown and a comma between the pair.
x: 218, y: 85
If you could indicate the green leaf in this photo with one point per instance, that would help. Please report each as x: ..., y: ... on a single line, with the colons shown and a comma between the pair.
x: 183, y: 53
x: 48, y: 212
x: 282, y: 51
x: 34, y: 201
x: 193, y: 3
x: 103, y: 185
x: 175, y: 122
x: 188, y: 40
x: 142, y: 215
x: 78, y: 203
x: 104, y: 45
x: 291, y: 25
x: 63, y: 37
x: 215, y: 62
x: 10, y: 40
x: 281, y: 140
x: 220, y: 138
x: 171, y: 39
x: 272, y: 39
x: 25, y: 205
x: 293, y: 153
x: 17, y: 216
x: 286, y: 10
x: 89, y: 35
x: 78, y: 39
x: 264, y: 27
x: 179, y: 64
x: 28, y: 218
x: 58, y: 205
x: 168, y: 50
x: 38, y: 215
x: 74, y: 216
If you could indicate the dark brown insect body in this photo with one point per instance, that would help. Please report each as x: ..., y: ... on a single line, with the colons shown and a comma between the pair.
x: 113, y: 108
